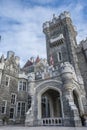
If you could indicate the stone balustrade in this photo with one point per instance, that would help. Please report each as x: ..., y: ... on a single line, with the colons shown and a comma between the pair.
x: 52, y: 121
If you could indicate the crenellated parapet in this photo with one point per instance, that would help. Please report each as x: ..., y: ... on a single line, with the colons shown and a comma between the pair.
x: 64, y: 15
x: 55, y: 19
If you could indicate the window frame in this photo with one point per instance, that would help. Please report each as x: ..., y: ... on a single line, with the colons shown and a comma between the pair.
x: 14, y: 94
x: 59, y: 54
x: 21, y: 83
x: 11, y: 112
x: 24, y: 85
x: 19, y: 113
x: 5, y: 107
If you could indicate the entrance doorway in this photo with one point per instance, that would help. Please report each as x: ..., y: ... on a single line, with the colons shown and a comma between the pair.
x: 51, y: 104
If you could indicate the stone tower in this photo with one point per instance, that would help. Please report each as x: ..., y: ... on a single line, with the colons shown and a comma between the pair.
x: 59, y: 95
x: 61, y: 41
x: 60, y: 38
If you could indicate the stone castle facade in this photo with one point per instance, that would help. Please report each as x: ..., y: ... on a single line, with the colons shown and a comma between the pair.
x: 47, y: 92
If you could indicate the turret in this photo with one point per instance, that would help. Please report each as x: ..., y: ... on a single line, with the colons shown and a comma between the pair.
x: 10, y: 54
x: 67, y: 72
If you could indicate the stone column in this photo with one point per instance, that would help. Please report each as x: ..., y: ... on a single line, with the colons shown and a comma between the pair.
x: 71, y: 115
x: 30, y: 115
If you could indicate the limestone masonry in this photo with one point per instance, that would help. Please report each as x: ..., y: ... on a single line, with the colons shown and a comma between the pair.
x: 47, y: 92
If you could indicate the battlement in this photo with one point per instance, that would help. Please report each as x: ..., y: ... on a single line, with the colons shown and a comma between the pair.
x: 64, y: 15
x: 56, y: 19
x: 65, y: 67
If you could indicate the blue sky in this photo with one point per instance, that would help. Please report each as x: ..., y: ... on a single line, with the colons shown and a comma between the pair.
x: 21, y: 24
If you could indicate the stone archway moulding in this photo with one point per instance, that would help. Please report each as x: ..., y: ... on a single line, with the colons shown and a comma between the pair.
x: 46, y: 86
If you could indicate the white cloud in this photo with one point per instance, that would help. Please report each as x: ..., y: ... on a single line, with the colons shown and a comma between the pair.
x: 44, y: 1
x: 27, y: 38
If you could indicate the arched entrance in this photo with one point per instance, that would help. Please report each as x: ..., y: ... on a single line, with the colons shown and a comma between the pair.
x: 78, y: 103
x: 51, y: 104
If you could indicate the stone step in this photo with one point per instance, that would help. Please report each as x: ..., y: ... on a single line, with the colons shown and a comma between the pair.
x: 41, y: 128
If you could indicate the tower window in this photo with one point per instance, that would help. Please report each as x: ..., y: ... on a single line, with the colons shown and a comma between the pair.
x: 59, y: 55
